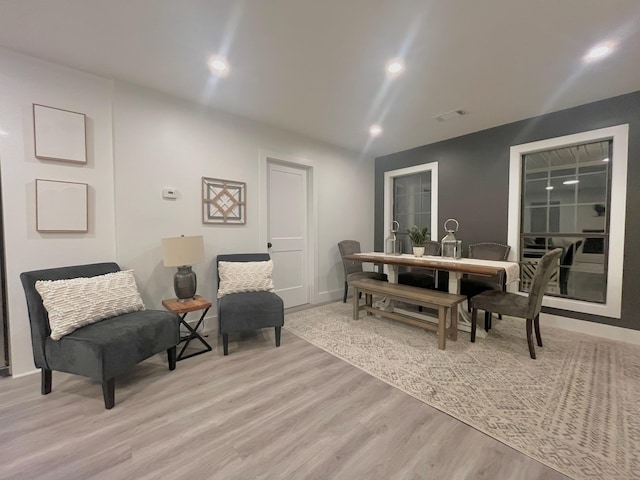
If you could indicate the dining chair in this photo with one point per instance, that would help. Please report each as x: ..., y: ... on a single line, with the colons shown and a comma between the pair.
x: 516, y: 305
x: 425, y: 278
x: 565, y: 265
x: 353, y: 270
x: 472, y: 285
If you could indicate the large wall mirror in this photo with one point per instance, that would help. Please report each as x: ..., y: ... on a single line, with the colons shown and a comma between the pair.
x: 566, y: 204
x: 570, y: 192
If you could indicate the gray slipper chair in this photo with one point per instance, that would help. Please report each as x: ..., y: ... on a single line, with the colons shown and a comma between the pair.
x: 243, y: 311
x: 102, y: 350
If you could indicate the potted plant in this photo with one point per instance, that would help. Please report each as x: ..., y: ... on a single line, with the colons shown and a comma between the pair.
x: 418, y: 236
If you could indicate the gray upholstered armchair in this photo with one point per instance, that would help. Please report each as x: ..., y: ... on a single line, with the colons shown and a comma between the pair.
x: 243, y: 311
x: 102, y: 350
x: 522, y: 306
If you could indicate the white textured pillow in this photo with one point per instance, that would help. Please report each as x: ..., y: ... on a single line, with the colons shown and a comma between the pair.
x: 238, y: 277
x: 77, y: 302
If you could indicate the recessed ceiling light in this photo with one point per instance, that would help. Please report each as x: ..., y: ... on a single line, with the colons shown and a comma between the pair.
x: 375, y: 130
x: 395, y: 67
x: 598, y: 52
x: 219, y: 66
x: 571, y: 182
x: 605, y: 159
x: 549, y: 187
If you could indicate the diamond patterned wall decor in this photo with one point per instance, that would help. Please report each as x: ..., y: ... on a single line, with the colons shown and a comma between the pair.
x: 223, y: 201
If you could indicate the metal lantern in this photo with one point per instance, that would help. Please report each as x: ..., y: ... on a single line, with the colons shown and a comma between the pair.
x: 392, y: 245
x: 451, y: 247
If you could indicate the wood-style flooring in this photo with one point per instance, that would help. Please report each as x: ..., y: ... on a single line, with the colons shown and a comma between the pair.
x: 294, y: 412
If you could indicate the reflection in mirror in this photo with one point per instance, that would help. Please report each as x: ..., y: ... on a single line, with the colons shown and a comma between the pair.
x: 566, y: 195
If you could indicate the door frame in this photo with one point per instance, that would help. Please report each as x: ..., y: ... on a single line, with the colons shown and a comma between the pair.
x: 264, y: 158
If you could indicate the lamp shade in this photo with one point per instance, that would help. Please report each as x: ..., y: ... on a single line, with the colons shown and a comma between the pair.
x: 181, y: 251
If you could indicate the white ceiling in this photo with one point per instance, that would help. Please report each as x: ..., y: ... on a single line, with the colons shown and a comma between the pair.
x: 316, y: 67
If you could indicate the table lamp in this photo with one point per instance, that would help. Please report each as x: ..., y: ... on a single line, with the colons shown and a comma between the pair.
x: 183, y: 252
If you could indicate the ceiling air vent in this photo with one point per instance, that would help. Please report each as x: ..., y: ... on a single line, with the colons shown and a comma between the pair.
x: 443, y: 117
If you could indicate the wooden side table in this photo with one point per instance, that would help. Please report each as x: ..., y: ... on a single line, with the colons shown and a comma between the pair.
x: 182, y: 309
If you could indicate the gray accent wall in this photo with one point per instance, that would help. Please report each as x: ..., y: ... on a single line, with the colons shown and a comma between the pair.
x: 473, y: 183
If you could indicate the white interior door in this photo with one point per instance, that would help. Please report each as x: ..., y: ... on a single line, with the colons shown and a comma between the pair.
x: 287, y: 231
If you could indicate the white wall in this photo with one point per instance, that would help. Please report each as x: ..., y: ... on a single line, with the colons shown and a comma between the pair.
x: 164, y: 142
x: 153, y: 141
x: 24, y: 81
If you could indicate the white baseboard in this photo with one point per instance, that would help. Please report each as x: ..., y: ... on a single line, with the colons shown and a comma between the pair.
x: 24, y: 374
x: 329, y: 296
x: 591, y: 328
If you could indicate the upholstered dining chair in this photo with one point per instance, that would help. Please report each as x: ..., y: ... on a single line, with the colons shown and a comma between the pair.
x: 472, y: 285
x: 515, y: 305
x: 425, y: 278
x: 353, y: 270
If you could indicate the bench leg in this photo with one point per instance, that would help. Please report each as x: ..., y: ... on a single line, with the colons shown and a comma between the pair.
x: 442, y: 325
x: 369, y: 302
x: 453, y: 328
x: 356, y: 303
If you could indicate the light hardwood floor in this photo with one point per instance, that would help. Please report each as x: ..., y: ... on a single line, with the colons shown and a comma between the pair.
x: 294, y: 412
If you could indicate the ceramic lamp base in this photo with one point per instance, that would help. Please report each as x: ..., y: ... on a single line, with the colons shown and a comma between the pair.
x: 185, y: 283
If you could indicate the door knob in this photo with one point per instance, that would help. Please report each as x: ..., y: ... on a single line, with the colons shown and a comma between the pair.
x: 269, y: 244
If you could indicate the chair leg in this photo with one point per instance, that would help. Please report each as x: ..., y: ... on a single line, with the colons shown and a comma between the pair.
x: 171, y: 357
x: 532, y: 350
x: 225, y: 343
x: 487, y: 321
x: 278, y: 336
x: 109, y: 393
x: 536, y: 325
x: 45, y: 384
x: 346, y: 290
x: 474, y: 321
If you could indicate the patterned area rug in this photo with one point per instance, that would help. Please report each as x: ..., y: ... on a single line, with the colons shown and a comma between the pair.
x: 576, y: 408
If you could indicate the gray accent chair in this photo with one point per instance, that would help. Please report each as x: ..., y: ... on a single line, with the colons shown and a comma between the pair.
x: 239, y: 312
x: 523, y: 306
x: 353, y: 270
x: 472, y: 285
x: 102, y: 350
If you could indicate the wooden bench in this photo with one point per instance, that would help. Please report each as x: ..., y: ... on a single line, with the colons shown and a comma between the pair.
x: 441, y: 301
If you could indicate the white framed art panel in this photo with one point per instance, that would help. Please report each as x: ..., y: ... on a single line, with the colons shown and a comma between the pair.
x: 61, y: 206
x: 59, y: 134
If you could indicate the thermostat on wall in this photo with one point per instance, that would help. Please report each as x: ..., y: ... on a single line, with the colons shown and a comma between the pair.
x: 169, y: 193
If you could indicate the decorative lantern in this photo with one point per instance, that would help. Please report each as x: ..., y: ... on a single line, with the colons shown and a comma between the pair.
x: 392, y: 245
x: 451, y: 247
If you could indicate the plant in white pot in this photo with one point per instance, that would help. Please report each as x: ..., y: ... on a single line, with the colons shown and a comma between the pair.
x: 418, y: 237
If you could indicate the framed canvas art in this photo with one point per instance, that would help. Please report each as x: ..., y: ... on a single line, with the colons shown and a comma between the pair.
x: 59, y: 134
x: 61, y: 206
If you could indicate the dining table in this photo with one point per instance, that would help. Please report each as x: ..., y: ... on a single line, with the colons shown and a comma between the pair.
x: 457, y: 268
